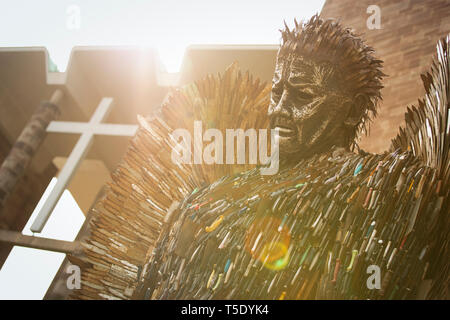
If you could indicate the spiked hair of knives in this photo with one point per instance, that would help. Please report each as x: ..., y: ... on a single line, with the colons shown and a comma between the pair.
x: 359, y: 70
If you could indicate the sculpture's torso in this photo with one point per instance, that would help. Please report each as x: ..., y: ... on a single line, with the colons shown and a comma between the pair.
x: 310, y: 231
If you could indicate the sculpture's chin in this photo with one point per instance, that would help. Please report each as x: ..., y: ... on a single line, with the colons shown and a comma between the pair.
x: 289, y: 145
x: 288, y: 136
x: 294, y: 139
x: 295, y: 148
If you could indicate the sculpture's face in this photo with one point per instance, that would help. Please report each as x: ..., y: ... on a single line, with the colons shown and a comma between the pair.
x: 307, y: 105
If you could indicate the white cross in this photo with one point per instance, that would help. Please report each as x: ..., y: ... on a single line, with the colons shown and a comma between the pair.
x: 87, y: 131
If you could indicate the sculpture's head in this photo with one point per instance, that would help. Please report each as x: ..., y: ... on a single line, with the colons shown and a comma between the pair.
x: 325, y: 88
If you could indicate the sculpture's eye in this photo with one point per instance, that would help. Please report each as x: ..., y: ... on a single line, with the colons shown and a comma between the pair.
x: 303, y: 95
x: 277, y: 91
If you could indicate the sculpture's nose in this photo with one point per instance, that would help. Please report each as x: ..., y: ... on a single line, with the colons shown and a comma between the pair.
x: 281, y: 107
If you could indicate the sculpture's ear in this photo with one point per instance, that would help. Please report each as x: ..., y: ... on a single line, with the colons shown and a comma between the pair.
x: 357, y: 106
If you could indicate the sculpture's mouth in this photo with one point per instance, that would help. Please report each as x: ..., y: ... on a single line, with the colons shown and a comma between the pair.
x: 286, y: 129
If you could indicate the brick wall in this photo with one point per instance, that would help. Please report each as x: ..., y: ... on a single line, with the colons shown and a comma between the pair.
x: 406, y: 43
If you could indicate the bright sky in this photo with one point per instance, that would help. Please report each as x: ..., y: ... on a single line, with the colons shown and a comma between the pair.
x: 27, y: 273
x: 168, y: 25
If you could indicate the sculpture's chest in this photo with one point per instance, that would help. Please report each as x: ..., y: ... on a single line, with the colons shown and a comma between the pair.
x: 325, y: 212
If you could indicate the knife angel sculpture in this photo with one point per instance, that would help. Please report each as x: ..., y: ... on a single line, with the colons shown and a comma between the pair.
x: 332, y: 223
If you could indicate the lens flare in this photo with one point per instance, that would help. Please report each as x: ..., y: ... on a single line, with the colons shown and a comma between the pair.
x: 268, y: 241
x: 278, y: 256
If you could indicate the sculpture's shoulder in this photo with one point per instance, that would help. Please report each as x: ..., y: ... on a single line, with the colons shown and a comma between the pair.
x: 336, y: 168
